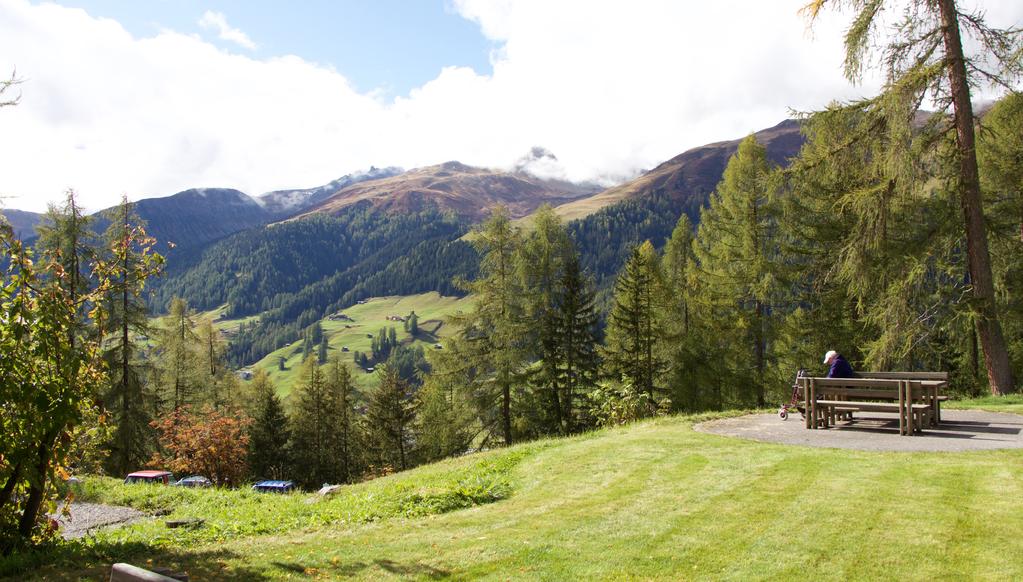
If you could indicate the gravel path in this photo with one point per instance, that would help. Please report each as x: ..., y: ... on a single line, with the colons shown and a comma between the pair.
x: 86, y: 517
x: 960, y: 430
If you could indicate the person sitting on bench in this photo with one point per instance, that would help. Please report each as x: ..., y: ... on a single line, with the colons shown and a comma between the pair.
x: 840, y: 368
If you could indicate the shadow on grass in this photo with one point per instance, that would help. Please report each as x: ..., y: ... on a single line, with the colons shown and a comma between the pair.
x: 410, y: 570
x: 82, y: 561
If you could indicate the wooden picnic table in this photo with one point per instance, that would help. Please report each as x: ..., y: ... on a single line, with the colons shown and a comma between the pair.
x: 917, y: 402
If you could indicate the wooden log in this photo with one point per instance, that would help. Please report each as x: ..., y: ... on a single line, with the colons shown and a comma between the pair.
x: 187, y: 522
x: 128, y: 573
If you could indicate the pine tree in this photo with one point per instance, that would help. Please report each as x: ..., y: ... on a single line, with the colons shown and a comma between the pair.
x: 541, y: 264
x: 217, y: 385
x: 685, y: 341
x: 270, y: 433
x: 65, y: 235
x: 321, y: 353
x: 736, y: 247
x: 576, y: 338
x: 925, y: 59
x: 179, y: 365
x: 634, y: 326
x: 390, y: 416
x: 317, y: 431
x: 445, y: 424
x: 876, y: 264
x: 489, y: 349
x: 132, y: 262
x: 1000, y: 154
x: 341, y: 391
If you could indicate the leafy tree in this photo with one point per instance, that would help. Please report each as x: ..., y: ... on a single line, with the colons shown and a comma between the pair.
x: 616, y: 403
x: 634, y: 327
x: 269, y: 452
x: 50, y: 372
x: 390, y: 417
x: 131, y: 256
x: 925, y: 58
x: 736, y: 247
x: 204, y: 442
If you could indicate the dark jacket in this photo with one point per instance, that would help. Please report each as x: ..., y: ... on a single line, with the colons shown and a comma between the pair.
x: 840, y: 368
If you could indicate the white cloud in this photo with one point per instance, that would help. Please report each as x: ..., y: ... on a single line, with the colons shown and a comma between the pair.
x: 608, y: 87
x: 217, y: 21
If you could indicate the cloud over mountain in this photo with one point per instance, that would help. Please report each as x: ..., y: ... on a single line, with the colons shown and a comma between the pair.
x: 610, y: 87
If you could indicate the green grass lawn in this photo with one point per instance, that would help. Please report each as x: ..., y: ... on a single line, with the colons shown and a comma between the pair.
x: 655, y: 500
x: 1011, y: 403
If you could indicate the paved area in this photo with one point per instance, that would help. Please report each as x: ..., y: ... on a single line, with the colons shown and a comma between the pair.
x: 960, y: 430
x: 86, y: 517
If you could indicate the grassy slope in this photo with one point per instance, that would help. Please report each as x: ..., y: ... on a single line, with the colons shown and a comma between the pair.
x: 657, y: 500
x: 431, y: 308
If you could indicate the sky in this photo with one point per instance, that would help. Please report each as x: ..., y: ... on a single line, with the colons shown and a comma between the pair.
x: 151, y: 97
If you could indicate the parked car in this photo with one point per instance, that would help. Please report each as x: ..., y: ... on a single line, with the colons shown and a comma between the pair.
x: 155, y: 477
x: 194, y: 481
x: 274, y: 486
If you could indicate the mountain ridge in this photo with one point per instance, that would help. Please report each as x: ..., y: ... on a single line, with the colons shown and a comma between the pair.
x: 470, y: 192
x: 691, y: 176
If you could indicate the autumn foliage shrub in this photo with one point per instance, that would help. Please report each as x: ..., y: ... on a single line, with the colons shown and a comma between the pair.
x: 207, y: 442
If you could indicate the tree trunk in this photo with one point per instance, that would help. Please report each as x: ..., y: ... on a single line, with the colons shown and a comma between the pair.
x: 36, y: 489
x: 506, y: 410
x: 12, y: 482
x: 758, y: 350
x: 125, y: 398
x: 996, y: 356
x: 570, y: 364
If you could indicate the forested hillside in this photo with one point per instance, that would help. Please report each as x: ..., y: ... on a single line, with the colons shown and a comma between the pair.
x: 24, y: 223
x: 294, y: 273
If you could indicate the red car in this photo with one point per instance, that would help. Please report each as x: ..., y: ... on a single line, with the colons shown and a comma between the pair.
x: 156, y: 477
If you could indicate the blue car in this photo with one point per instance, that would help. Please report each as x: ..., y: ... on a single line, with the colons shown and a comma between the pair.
x: 274, y: 486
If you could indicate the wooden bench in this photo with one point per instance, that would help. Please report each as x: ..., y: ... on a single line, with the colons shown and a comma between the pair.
x: 826, y: 398
x: 926, y: 377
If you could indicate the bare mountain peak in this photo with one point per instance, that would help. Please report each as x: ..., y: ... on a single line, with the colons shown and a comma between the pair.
x: 469, y: 191
x: 283, y: 203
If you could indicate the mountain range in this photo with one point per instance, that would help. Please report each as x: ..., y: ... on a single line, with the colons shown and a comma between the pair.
x: 293, y: 256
